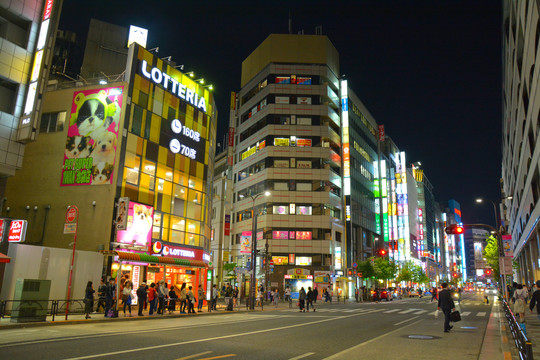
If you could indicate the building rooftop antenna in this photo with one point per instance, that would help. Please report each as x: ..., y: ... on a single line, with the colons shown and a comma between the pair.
x: 290, y: 22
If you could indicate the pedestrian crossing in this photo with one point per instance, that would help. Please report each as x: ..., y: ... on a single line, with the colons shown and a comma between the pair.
x: 401, y: 311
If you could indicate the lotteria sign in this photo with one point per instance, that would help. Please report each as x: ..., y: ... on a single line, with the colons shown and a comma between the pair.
x: 170, y: 250
x: 174, y: 86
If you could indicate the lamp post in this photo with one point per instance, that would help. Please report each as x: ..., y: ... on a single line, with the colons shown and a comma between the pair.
x: 252, y: 283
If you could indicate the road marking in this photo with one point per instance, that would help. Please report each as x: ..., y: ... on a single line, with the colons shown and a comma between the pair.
x: 341, y: 354
x: 194, y: 355
x: 87, y: 336
x: 218, y: 357
x: 404, y: 321
x: 406, y: 311
x: 420, y: 312
x: 302, y: 356
x: 391, y: 311
x: 481, y: 313
x: 466, y: 313
x: 213, y: 338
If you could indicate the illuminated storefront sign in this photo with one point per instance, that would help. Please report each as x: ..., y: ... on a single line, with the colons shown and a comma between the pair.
x: 90, y: 151
x: 303, y: 142
x: 303, y: 260
x: 281, y: 142
x: 172, y: 85
x: 177, y: 147
x: 137, y: 35
x: 337, y: 258
x: 303, y: 235
x: 17, y: 231
x: 172, y: 250
x: 280, y: 260
x: 139, y: 225
x: 345, y: 138
x: 280, y: 235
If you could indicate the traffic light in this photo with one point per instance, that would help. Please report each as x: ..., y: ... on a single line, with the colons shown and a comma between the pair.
x: 488, y: 272
x: 454, y: 275
x: 381, y: 252
x: 349, y: 272
x: 454, y: 229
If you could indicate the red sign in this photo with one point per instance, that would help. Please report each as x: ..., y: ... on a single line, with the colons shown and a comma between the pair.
x: 48, y: 9
x: 17, y: 231
x: 71, y: 214
x: 231, y: 137
x: 381, y: 132
x: 227, y: 230
x: 1, y: 229
x: 170, y: 250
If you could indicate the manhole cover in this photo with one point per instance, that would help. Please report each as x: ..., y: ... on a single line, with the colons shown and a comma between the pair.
x: 469, y: 327
x: 421, y: 337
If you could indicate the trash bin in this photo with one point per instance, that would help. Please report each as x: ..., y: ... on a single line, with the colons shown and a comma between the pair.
x: 229, y: 303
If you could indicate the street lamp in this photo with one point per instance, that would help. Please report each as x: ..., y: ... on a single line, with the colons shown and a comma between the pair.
x: 252, y: 283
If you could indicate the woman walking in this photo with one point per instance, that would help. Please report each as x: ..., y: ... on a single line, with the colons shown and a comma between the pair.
x: 88, y: 299
x: 190, y: 300
x: 126, y: 296
x: 520, y: 296
x: 302, y: 299
x: 183, y: 298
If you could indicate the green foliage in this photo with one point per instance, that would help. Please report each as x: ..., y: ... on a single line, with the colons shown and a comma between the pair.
x: 366, y: 268
x: 491, y: 254
x: 384, y: 269
x: 229, y: 270
x: 406, y: 272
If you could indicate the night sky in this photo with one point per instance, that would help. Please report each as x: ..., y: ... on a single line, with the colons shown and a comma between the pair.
x: 430, y: 71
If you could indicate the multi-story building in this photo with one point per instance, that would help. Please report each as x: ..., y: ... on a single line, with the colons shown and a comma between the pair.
x: 288, y: 141
x: 521, y: 155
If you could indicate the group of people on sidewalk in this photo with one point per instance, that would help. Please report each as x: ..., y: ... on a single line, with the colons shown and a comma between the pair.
x: 158, y: 298
x: 519, y: 296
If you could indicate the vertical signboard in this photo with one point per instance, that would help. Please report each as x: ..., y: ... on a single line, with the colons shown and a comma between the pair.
x: 507, y: 245
x: 345, y: 138
x: 227, y: 230
x: 245, y: 242
x: 139, y: 225
x: 92, y: 134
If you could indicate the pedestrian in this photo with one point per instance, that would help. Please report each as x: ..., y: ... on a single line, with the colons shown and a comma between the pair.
x: 434, y: 293
x: 141, y: 298
x: 172, y: 300
x: 215, y: 295
x: 236, y: 292
x: 356, y: 295
x: 259, y: 297
x: 152, y: 298
x: 458, y: 290
x: 201, y: 296
x: 183, y: 298
x: 302, y: 299
x: 101, y: 295
x: 126, y: 296
x: 309, y: 298
x: 420, y: 293
x: 287, y: 295
x: 535, y: 299
x: 110, y: 292
x: 275, y: 297
x: 315, y: 295
x: 162, y: 295
x: 191, y: 300
x: 88, y: 299
x: 519, y: 298
x: 328, y: 296
x: 446, y: 305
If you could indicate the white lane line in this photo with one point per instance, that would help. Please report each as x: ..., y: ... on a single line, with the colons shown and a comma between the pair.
x: 391, y: 311
x: 406, y: 311
x: 302, y: 356
x: 420, y: 312
x: 466, y: 313
x: 404, y: 321
x: 108, y: 333
x: 194, y: 355
x: 211, y: 338
x: 352, y: 350
x: 481, y: 313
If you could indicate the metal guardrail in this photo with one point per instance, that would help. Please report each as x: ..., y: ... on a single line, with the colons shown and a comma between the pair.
x: 523, y: 343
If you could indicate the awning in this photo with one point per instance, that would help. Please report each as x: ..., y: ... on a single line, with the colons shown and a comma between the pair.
x: 4, y: 258
x: 130, y: 256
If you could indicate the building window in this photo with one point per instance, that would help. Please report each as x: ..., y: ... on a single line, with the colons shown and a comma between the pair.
x: 13, y: 28
x: 8, y: 92
x: 52, y: 122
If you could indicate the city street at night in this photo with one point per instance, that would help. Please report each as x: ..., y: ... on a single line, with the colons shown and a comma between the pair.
x: 400, y: 329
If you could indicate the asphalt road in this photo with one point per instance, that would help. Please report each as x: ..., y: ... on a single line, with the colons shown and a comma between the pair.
x: 402, y: 329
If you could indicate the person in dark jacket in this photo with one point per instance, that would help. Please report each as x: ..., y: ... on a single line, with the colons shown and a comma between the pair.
x: 141, y: 298
x: 309, y: 297
x: 89, y: 299
x: 102, y: 301
x: 110, y: 293
x: 302, y: 299
x: 535, y: 300
x: 173, y: 298
x: 446, y: 305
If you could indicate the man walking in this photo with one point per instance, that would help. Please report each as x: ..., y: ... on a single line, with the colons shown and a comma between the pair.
x: 434, y: 293
x: 446, y: 305
x: 101, y: 296
x: 535, y: 300
x: 141, y: 297
x: 110, y: 292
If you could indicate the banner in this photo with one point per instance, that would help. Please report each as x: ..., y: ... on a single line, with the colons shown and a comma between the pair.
x: 139, y: 225
x: 245, y: 242
x: 91, y: 138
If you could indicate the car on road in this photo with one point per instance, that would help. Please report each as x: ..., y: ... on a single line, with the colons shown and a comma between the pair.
x: 381, y: 294
x: 491, y: 291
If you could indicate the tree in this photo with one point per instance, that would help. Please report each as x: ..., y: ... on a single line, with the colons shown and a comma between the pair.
x: 419, y: 275
x: 491, y: 254
x: 405, y: 272
x: 384, y: 269
x: 366, y: 269
x: 229, y: 271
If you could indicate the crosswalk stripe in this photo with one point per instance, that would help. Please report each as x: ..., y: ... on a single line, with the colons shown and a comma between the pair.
x: 466, y: 313
x: 433, y: 313
x: 406, y: 311
x: 420, y: 312
x: 481, y: 313
x: 391, y: 311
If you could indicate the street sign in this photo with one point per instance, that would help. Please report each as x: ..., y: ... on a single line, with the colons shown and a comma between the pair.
x: 354, y: 265
x: 71, y: 214
x: 271, y: 263
x: 70, y: 228
x: 505, y: 264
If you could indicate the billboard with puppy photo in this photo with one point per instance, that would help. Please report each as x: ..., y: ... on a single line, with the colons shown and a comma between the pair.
x: 92, y: 135
x: 139, y: 225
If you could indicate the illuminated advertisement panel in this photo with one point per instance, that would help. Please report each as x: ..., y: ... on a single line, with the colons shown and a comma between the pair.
x: 90, y: 150
x: 384, y: 195
x: 137, y: 35
x: 303, y: 235
x: 345, y: 138
x: 139, y: 225
x: 280, y: 260
x: 280, y: 235
x: 376, y: 195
